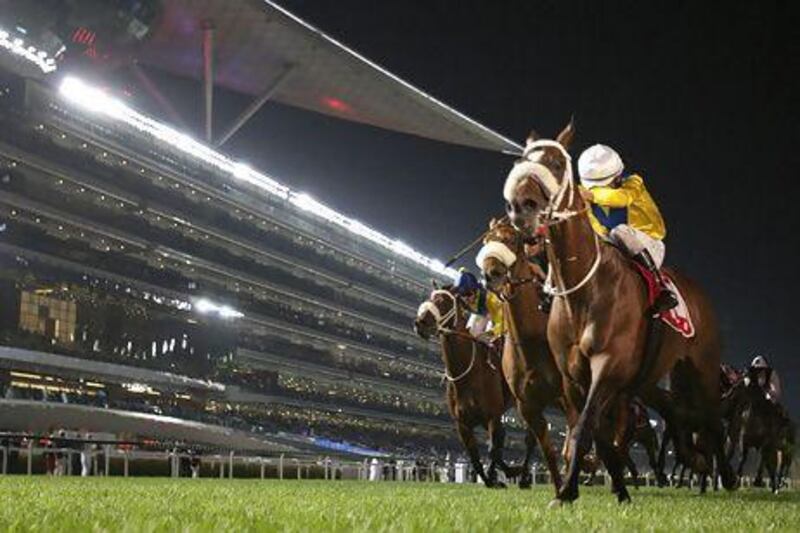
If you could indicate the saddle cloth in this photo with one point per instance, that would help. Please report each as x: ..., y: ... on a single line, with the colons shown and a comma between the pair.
x: 678, y: 318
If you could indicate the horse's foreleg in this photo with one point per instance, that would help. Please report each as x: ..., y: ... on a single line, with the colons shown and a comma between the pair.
x: 662, y: 458
x: 611, y: 457
x: 525, y: 477
x: 497, y: 437
x: 759, y: 480
x: 581, y: 437
x: 650, y: 443
x: 717, y: 435
x: 629, y: 462
x: 743, y: 460
x: 467, y: 437
x: 772, y: 470
x: 538, y: 425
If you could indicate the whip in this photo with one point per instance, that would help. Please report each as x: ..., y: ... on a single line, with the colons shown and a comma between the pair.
x: 472, y: 244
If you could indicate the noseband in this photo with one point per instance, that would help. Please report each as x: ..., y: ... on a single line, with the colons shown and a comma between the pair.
x: 511, y: 283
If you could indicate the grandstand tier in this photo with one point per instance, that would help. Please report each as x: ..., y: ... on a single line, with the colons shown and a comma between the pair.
x: 138, y: 278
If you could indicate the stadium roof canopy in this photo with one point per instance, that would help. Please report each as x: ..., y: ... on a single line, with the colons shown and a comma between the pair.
x: 263, y: 50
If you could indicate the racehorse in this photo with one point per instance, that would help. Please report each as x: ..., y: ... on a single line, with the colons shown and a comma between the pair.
x: 477, y: 394
x: 528, y: 365
x: 599, y: 331
x: 759, y: 425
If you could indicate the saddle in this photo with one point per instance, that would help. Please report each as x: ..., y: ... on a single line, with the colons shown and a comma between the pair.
x: 678, y: 318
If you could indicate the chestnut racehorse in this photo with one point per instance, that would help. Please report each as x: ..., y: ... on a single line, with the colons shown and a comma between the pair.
x: 477, y: 394
x: 599, y: 331
x: 528, y: 365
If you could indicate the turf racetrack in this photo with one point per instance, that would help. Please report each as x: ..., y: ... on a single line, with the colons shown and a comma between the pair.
x: 142, y: 504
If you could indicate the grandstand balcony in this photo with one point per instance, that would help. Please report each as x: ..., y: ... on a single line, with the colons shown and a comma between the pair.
x: 125, y: 148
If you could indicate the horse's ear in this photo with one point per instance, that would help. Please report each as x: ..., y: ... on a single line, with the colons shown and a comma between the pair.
x: 567, y: 134
x: 532, y: 137
x: 492, y: 223
x: 435, y: 284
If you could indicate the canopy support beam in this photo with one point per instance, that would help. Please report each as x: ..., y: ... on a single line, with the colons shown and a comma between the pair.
x: 255, y: 105
x: 155, y: 93
x: 208, y: 76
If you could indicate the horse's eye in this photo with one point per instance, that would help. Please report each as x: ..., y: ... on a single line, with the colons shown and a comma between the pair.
x: 529, y: 204
x: 508, y: 207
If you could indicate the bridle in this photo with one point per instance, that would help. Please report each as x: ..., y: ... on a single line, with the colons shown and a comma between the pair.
x: 511, y: 283
x: 446, y: 326
x: 554, y: 215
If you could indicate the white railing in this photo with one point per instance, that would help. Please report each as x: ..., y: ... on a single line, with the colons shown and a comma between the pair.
x: 287, y: 466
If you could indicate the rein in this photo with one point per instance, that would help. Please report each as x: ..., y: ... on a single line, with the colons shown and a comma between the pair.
x: 550, y: 289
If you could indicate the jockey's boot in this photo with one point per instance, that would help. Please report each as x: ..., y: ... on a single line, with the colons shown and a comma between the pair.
x: 665, y: 300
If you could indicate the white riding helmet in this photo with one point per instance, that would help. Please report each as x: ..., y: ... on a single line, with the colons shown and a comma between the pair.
x: 759, y: 362
x: 598, y: 165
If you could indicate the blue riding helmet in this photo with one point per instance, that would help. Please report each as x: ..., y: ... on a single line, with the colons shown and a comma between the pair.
x: 466, y: 282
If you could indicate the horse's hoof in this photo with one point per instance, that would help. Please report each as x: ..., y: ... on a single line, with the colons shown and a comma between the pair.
x: 525, y: 483
x: 662, y: 481
x: 555, y: 503
x: 758, y: 483
x: 731, y: 483
x: 499, y: 485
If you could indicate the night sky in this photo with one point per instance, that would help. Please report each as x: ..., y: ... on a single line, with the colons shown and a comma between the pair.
x: 700, y: 99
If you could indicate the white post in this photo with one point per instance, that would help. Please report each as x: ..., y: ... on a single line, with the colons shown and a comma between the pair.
x: 326, y: 463
x: 230, y: 467
x: 262, y: 468
x: 107, y: 458
x: 280, y: 467
x: 125, y: 460
x: 30, y: 457
x: 221, y: 468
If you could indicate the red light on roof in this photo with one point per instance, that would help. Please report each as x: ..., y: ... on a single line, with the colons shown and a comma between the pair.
x: 84, y: 36
x: 336, y: 104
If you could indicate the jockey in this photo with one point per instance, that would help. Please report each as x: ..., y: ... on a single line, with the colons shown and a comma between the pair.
x: 766, y: 378
x: 622, y: 211
x: 483, y: 305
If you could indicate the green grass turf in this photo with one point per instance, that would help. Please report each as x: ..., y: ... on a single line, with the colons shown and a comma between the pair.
x: 142, y: 504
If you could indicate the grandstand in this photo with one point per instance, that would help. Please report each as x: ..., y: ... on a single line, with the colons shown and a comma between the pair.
x: 142, y: 272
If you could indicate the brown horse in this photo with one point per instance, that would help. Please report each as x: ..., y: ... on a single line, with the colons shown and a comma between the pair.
x: 528, y: 365
x: 477, y: 394
x: 760, y: 424
x: 602, y: 339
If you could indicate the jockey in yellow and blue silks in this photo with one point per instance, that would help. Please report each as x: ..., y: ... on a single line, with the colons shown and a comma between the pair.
x: 484, y: 306
x: 622, y: 211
